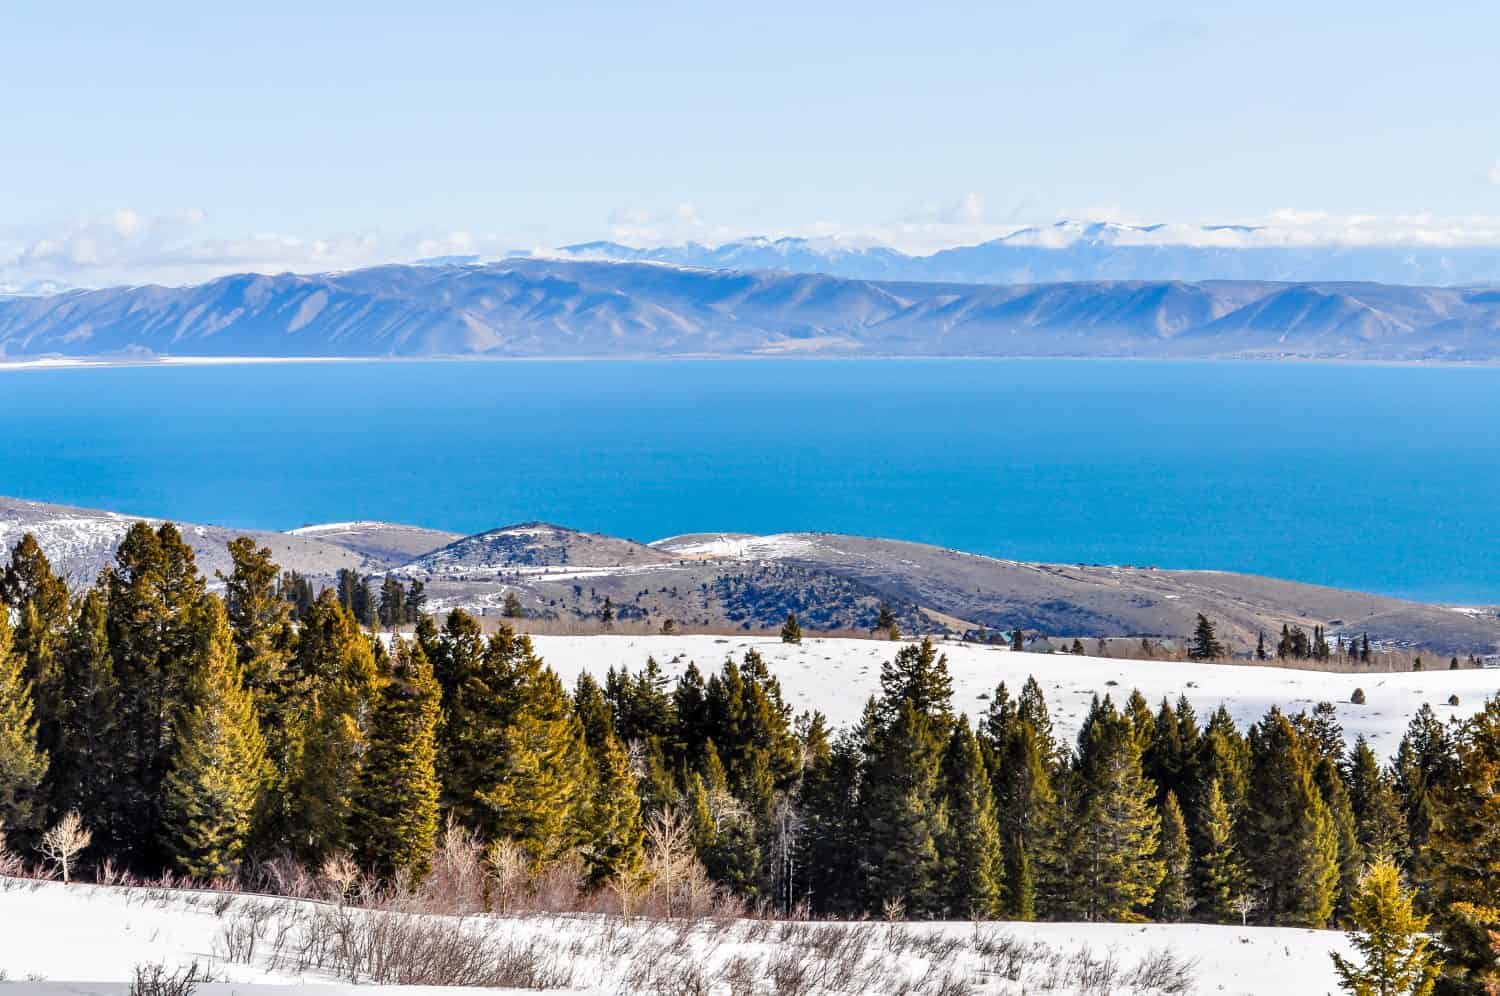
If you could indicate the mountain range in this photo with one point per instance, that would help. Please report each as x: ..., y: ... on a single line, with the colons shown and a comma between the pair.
x: 1071, y: 251
x: 575, y: 308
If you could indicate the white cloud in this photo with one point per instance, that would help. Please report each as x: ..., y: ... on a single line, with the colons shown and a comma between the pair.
x: 1494, y: 173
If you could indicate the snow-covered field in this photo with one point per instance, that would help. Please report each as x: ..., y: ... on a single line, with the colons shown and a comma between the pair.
x: 88, y: 940
x: 838, y: 675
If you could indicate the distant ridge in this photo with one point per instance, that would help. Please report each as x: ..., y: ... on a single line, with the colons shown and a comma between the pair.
x: 1083, y: 251
x: 590, y: 308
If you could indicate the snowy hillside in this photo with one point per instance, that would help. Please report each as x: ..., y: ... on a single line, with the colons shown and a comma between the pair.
x: 837, y: 676
x: 88, y: 940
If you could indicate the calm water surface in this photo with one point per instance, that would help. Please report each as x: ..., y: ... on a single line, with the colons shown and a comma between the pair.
x: 1379, y: 478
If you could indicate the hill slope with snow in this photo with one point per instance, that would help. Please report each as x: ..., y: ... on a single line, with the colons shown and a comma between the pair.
x: 837, y: 676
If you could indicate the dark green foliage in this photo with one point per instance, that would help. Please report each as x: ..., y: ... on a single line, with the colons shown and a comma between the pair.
x: 1114, y: 829
x: 394, y: 814
x: 1379, y: 826
x: 1290, y: 837
x: 1174, y: 895
x: 213, y: 790
x: 152, y: 591
x: 83, y: 763
x: 973, y: 869
x: 790, y: 631
x: 1218, y: 871
x: 1205, y: 645
x: 903, y: 814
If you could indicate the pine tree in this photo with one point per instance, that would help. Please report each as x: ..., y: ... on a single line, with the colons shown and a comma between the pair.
x: 1205, y: 645
x: 1380, y: 829
x: 1175, y: 893
x: 835, y: 828
x: 1219, y: 875
x: 790, y: 631
x: 82, y: 769
x: 1260, y: 647
x: 973, y: 867
x: 614, y: 836
x: 1392, y: 939
x: 394, y: 812
x: 1115, y: 830
x: 903, y: 814
x: 261, y: 621
x: 1026, y: 805
x: 219, y: 771
x: 22, y: 763
x: 1351, y: 857
x: 334, y: 681
x: 1459, y: 870
x: 526, y: 755
x: 919, y: 674
x: 1289, y: 835
x: 1425, y: 762
x: 40, y: 601
x: 1017, y: 639
x: 152, y: 592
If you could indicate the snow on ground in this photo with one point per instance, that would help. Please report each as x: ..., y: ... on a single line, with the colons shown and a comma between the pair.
x: 836, y: 676
x: 88, y: 940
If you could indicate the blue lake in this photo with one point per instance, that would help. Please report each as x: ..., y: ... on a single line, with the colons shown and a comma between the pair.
x: 1383, y: 479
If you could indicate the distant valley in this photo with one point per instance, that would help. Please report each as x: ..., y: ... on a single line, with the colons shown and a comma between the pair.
x: 561, y: 579
x: 583, y: 308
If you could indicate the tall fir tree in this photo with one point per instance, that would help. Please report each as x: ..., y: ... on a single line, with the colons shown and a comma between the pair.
x: 1288, y: 833
x: 1380, y: 828
x: 1027, y: 807
x: 903, y: 814
x: 22, y: 763
x: 335, y: 680
x: 919, y: 674
x: 1205, y: 645
x: 219, y: 772
x: 394, y: 812
x: 261, y: 621
x: 1174, y: 896
x: 43, y: 609
x: 83, y: 765
x: 1218, y: 871
x: 973, y: 866
x: 152, y: 592
x: 1351, y: 857
x: 1114, y: 828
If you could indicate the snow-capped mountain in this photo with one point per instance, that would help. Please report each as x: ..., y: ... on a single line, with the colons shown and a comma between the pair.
x: 1080, y: 251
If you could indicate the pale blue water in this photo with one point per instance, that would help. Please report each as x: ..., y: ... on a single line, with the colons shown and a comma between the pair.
x: 1384, y: 479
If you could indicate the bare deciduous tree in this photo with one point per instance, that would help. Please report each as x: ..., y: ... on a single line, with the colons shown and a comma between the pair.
x: 66, y: 841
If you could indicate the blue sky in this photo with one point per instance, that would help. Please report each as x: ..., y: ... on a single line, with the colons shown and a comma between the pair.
x: 166, y: 139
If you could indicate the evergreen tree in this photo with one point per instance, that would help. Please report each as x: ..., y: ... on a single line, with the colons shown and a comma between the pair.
x: 1017, y: 639
x: 152, y: 593
x: 392, y: 611
x: 903, y: 814
x: 1351, y: 857
x: 1379, y: 826
x: 1260, y: 647
x: 1219, y: 875
x: 1174, y: 895
x: 1115, y: 828
x: 527, y: 768
x: 614, y: 844
x: 1392, y: 939
x: 1425, y: 762
x: 919, y: 674
x: 973, y: 867
x: 261, y: 621
x: 22, y: 763
x: 40, y: 601
x: 790, y: 631
x: 1026, y: 804
x: 82, y: 769
x: 1459, y: 869
x: 1289, y: 836
x: 334, y: 680
x: 1205, y: 645
x: 219, y: 772
x: 394, y: 812
x: 831, y: 806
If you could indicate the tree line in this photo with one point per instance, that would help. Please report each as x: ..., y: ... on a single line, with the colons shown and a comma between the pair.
x: 195, y: 731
